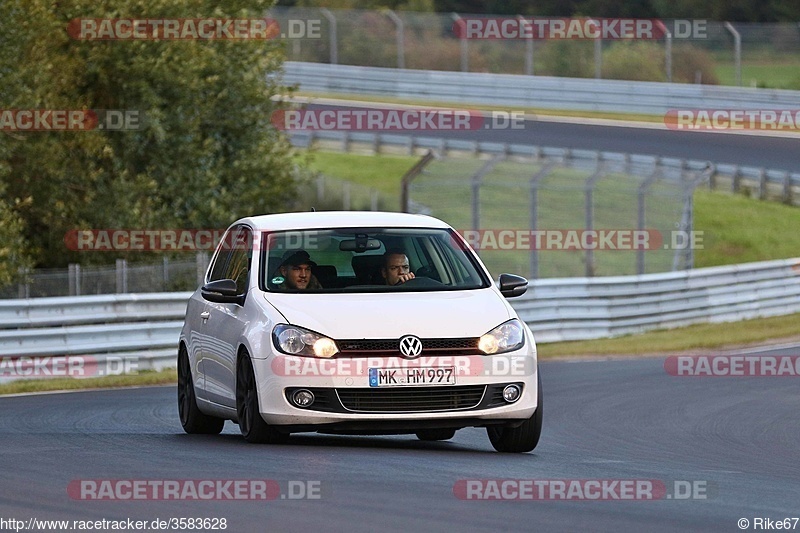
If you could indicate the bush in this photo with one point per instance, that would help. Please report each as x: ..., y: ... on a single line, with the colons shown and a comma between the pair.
x: 637, y: 61
x: 573, y: 59
x: 688, y: 60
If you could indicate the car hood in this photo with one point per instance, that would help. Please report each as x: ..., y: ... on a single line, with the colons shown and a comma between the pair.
x: 446, y: 314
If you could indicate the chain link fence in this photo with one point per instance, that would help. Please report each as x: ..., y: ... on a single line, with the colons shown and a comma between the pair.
x: 122, y: 277
x: 564, y: 217
x: 690, y: 51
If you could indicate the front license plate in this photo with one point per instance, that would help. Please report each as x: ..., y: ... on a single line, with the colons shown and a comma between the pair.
x: 405, y: 377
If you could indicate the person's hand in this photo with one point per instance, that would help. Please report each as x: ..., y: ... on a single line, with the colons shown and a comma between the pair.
x: 405, y: 277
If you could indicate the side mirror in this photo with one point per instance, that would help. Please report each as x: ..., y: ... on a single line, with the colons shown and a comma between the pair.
x: 512, y: 286
x: 223, y: 291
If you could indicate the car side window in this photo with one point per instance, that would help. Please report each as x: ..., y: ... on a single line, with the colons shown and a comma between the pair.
x: 221, y: 259
x: 238, y: 266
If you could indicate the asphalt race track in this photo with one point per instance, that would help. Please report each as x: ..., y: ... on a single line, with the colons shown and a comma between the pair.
x: 779, y: 153
x: 736, y: 438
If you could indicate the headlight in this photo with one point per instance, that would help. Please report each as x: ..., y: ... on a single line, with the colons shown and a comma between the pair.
x: 506, y: 337
x: 294, y: 340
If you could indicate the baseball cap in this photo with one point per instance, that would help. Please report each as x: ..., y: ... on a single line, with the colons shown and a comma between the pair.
x: 297, y: 257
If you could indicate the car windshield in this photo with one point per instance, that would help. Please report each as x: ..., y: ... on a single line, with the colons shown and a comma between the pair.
x: 369, y: 260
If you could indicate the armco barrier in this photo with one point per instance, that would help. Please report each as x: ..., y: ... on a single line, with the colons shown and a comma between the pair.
x: 611, y: 96
x: 147, y: 326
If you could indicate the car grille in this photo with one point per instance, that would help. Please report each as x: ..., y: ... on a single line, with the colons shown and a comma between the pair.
x: 390, y: 347
x: 411, y: 399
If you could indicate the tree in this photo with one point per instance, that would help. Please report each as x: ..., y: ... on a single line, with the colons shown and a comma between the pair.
x: 207, y: 153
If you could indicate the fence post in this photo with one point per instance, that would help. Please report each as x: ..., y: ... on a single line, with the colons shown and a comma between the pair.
x: 201, y: 261
x: 320, y: 187
x: 528, y: 48
x: 737, y: 51
x: 333, y: 40
x: 373, y: 200
x: 462, y: 41
x: 598, y: 54
x: 74, y: 276
x: 640, y: 212
x: 408, y: 177
x: 165, y: 265
x: 400, y: 29
x: 534, y: 221
x: 668, y: 55
x: 24, y: 290
x: 346, y: 196
x: 476, y: 181
x: 122, y: 276
x: 589, y: 207
x: 787, y: 188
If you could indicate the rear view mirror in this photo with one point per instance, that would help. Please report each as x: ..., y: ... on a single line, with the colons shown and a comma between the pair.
x: 359, y: 244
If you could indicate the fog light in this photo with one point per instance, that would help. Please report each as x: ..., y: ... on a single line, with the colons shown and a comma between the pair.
x: 511, y: 393
x: 303, y: 398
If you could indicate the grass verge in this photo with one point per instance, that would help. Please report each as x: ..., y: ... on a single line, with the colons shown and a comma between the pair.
x: 540, y: 111
x: 697, y: 337
x: 142, y: 378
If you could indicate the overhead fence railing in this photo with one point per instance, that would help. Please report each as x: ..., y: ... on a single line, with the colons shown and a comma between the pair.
x: 145, y: 328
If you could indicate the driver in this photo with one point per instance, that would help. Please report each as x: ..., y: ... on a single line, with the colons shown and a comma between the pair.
x: 296, y: 270
x: 395, y: 269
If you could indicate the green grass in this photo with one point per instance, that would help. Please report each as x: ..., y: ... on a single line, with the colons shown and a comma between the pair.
x: 697, y: 337
x: 139, y: 379
x: 742, y: 230
x: 776, y: 75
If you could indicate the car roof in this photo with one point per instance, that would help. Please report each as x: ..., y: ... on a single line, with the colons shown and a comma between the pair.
x: 340, y: 219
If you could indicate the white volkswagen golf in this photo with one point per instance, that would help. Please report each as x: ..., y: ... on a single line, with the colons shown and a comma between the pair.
x: 357, y: 323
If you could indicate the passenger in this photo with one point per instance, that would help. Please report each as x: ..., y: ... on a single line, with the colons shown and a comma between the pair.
x: 396, y: 269
x: 295, y: 270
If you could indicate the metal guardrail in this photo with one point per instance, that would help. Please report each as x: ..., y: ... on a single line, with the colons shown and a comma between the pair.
x: 146, y: 326
x: 140, y: 327
x: 613, y: 96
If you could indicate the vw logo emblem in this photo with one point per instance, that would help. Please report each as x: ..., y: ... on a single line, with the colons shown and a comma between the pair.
x: 410, y: 346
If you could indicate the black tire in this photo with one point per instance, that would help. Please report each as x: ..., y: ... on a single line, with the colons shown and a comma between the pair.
x: 252, y: 426
x: 523, y: 438
x: 192, y: 419
x: 435, y: 434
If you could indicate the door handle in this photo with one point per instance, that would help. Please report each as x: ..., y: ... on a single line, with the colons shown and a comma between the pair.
x: 204, y: 315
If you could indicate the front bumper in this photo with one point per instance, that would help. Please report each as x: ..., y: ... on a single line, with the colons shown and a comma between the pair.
x: 349, y: 404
